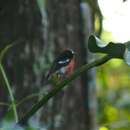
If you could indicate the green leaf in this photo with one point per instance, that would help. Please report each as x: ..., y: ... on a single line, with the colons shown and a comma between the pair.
x: 115, y: 50
x: 127, y: 53
x: 95, y: 44
x: 9, y: 46
x: 10, y: 92
x: 3, y: 52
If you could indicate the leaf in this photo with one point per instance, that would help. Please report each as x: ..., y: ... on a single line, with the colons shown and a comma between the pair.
x: 95, y: 44
x: 115, y: 50
x: 127, y: 53
x: 9, y: 46
x: 10, y: 92
x: 3, y: 52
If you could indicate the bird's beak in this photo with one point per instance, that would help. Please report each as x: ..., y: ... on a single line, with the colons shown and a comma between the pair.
x: 73, y: 52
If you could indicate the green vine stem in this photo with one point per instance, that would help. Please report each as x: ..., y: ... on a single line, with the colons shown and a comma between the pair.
x: 10, y: 92
x: 60, y: 86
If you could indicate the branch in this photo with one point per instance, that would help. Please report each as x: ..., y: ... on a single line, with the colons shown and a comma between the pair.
x: 60, y: 86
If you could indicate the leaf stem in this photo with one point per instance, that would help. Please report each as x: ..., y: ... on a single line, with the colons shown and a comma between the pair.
x: 10, y: 92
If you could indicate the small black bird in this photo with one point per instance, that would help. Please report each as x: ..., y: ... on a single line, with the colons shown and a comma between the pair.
x: 63, y: 64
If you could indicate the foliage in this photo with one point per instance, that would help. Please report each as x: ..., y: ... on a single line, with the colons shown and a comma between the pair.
x: 113, y: 85
x: 109, y: 112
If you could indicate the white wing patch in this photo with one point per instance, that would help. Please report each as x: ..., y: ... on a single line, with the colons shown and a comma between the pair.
x: 63, y: 62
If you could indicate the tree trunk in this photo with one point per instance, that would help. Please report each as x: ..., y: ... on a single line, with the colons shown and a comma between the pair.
x: 20, y: 22
x: 74, y: 108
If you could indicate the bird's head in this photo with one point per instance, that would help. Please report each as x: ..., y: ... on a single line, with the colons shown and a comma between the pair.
x: 69, y: 53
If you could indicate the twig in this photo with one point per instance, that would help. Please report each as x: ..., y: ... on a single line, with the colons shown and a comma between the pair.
x: 4, y: 104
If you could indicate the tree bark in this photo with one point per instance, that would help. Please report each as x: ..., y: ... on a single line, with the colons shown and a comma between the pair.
x: 20, y: 22
x: 74, y: 108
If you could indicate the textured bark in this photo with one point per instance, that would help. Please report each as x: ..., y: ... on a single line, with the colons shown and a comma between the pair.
x: 72, y: 108
x: 20, y: 21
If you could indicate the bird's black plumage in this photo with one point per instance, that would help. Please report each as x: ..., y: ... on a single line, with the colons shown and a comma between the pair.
x: 61, y: 61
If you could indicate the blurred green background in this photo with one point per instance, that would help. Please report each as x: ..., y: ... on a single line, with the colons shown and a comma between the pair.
x: 113, y: 78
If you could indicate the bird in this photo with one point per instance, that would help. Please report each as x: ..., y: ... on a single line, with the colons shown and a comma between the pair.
x: 63, y: 65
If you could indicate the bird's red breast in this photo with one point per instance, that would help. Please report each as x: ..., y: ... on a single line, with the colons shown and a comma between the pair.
x: 70, y: 67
